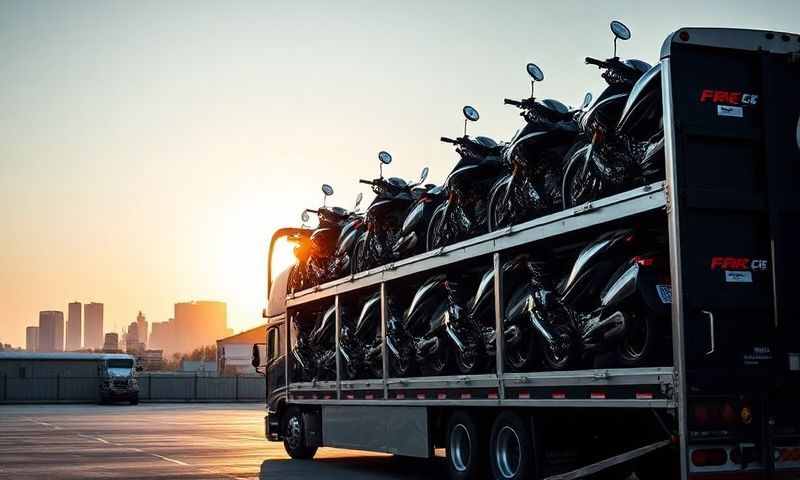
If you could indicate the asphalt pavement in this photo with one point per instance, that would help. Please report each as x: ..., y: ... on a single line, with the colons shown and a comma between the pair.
x: 160, y: 441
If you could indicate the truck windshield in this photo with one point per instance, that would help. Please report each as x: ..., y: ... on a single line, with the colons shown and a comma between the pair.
x: 120, y: 368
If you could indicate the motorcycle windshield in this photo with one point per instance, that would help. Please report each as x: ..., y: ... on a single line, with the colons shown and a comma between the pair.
x: 646, y: 84
x: 368, y: 312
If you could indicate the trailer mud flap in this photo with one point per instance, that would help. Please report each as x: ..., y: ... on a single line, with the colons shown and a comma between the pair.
x: 732, y: 113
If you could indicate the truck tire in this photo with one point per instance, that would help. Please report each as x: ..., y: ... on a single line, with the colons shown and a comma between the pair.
x: 294, y: 438
x: 511, y: 451
x: 135, y: 399
x: 466, y: 451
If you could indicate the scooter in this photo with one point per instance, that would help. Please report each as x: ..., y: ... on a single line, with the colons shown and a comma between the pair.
x: 384, y: 217
x: 616, y: 299
x: 464, y: 213
x: 531, y: 186
x: 360, y: 341
x: 313, y: 354
x: 622, y: 141
x: 416, y: 339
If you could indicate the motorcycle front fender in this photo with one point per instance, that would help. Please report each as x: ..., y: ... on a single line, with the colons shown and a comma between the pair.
x: 392, y: 347
x: 621, y: 287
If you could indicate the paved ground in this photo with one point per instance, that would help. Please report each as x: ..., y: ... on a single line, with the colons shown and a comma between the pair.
x: 172, y: 441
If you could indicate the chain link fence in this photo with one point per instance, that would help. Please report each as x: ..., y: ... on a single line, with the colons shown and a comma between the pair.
x: 152, y: 387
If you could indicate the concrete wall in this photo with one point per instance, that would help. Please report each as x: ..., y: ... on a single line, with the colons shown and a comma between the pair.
x: 156, y: 388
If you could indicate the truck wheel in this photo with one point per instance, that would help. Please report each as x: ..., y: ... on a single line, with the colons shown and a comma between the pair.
x: 135, y: 399
x: 294, y: 440
x: 466, y: 453
x: 511, y: 452
x: 638, y: 346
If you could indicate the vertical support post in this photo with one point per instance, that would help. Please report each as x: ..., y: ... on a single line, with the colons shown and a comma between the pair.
x: 236, y: 387
x: 58, y: 387
x: 673, y: 229
x: 149, y: 386
x: 195, y: 386
x: 338, y: 348
x: 288, y: 343
x: 384, y: 350
x: 498, y: 324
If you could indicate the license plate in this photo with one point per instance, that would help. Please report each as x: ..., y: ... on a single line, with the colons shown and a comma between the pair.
x: 664, y: 293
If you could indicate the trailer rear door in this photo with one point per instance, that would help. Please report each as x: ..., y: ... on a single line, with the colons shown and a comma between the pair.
x: 732, y: 125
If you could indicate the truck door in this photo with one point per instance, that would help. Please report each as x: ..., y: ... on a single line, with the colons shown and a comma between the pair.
x: 276, y: 361
x: 732, y: 106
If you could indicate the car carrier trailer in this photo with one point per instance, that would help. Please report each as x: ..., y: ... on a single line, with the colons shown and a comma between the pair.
x: 727, y: 403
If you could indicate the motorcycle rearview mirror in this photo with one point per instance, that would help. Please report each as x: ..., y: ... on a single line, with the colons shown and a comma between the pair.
x: 536, y: 73
x: 327, y: 191
x: 470, y: 114
x: 385, y: 159
x: 587, y: 99
x: 423, y: 175
x: 304, y: 216
x: 359, y: 197
x: 621, y: 32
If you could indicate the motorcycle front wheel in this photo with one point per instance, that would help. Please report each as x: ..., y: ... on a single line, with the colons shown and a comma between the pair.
x: 520, y: 357
x: 435, y: 236
x: 358, y: 262
x: 578, y: 183
x: 472, y: 359
x: 560, y: 355
x: 499, y: 212
x: 401, y: 367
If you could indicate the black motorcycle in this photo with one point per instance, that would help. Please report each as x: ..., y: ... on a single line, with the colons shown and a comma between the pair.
x: 360, y: 341
x: 533, y: 160
x: 616, y: 299
x: 622, y: 143
x: 413, y: 233
x: 384, y: 218
x: 463, y: 214
x: 313, y: 353
x: 351, y: 231
x: 416, y: 339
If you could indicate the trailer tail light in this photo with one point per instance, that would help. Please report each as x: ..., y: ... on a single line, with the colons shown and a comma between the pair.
x: 644, y: 261
x: 719, y: 415
x: 558, y: 395
x: 598, y: 396
x: 644, y: 395
x: 709, y: 457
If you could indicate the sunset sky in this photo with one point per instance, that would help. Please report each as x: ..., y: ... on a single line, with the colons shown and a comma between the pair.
x: 149, y: 149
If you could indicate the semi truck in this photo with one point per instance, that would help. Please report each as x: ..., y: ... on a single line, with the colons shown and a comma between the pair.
x: 724, y: 403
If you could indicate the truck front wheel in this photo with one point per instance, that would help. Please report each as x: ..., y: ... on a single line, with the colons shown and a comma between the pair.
x: 511, y: 452
x: 294, y: 439
x: 466, y: 451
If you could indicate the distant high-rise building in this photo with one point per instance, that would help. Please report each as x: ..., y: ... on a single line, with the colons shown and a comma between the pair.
x: 161, y: 337
x: 111, y: 343
x: 141, y: 324
x: 74, y: 326
x: 93, y: 325
x: 51, y: 331
x: 132, y: 343
x: 198, y: 324
x: 32, y: 339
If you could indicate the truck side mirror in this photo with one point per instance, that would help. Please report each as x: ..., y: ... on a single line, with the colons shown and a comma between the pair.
x: 139, y: 368
x: 256, y: 359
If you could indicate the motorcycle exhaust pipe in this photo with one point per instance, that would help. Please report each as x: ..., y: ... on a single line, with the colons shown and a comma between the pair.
x: 611, y: 326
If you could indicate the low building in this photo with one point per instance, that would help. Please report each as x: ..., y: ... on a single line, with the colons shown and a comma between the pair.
x: 198, y: 366
x: 234, y: 353
x: 32, y: 339
x: 151, y: 360
x: 111, y: 343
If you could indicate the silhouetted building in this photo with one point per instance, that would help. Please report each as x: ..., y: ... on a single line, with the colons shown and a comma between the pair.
x: 132, y: 343
x: 141, y: 323
x: 74, y: 326
x: 32, y: 339
x: 111, y: 343
x: 196, y: 324
x: 93, y: 325
x: 161, y: 336
x: 151, y: 359
x: 51, y: 331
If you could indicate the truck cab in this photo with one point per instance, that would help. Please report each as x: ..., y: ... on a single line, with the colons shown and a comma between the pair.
x: 117, y: 374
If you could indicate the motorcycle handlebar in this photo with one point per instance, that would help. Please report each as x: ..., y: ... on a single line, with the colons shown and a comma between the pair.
x: 448, y: 140
x: 594, y: 61
x: 368, y: 182
x: 508, y: 101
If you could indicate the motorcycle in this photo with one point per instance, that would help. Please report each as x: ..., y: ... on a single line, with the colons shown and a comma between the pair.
x: 531, y: 187
x: 463, y: 213
x: 351, y: 230
x: 417, y: 338
x: 313, y: 353
x: 384, y: 218
x: 413, y: 233
x: 622, y: 143
x: 360, y: 341
x: 616, y: 299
